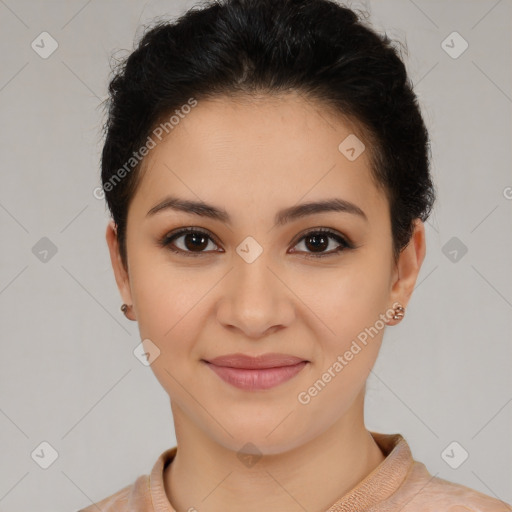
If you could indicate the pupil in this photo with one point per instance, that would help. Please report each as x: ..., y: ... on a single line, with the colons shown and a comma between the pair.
x: 196, y: 237
x: 321, y: 245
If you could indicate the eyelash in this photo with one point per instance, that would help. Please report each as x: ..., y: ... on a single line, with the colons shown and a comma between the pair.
x: 167, y: 240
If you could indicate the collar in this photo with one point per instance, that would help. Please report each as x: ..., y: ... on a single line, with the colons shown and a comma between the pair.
x: 375, y: 488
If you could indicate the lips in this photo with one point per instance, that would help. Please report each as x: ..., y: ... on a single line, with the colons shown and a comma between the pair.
x: 259, y: 362
x: 256, y: 373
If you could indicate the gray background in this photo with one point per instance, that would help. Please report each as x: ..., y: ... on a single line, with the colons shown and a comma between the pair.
x: 68, y: 375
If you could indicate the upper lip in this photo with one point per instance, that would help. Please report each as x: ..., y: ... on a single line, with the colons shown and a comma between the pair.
x: 250, y: 362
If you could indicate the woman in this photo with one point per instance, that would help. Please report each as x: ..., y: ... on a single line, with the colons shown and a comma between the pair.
x: 266, y: 165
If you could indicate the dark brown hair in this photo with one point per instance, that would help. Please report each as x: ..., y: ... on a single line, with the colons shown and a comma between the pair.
x: 316, y: 47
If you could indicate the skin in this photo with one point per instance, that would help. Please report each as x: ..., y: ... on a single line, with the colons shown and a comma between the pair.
x: 254, y: 158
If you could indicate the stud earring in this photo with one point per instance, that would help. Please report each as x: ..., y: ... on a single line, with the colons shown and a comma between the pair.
x: 399, y: 313
x: 124, y: 309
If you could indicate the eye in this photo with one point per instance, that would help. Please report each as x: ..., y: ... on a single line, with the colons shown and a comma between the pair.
x: 196, y: 240
x: 319, y: 239
x: 193, y: 238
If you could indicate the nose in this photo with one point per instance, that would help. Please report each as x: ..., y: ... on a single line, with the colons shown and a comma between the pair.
x: 255, y: 299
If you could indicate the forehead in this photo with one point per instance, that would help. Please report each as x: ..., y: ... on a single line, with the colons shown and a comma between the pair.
x: 266, y: 151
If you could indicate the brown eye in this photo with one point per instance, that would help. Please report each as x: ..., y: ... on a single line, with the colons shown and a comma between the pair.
x: 318, y: 240
x: 194, y: 241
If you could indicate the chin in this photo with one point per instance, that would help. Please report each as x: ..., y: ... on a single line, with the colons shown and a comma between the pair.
x: 260, y: 437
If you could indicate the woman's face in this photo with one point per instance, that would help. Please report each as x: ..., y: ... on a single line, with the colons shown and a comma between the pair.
x: 247, y: 284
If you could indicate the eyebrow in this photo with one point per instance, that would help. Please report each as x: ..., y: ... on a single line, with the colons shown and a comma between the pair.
x: 282, y: 217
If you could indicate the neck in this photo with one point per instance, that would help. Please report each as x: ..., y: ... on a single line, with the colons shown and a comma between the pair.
x: 207, y: 476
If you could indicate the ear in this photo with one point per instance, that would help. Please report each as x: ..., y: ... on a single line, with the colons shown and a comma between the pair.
x: 408, y: 266
x: 120, y: 273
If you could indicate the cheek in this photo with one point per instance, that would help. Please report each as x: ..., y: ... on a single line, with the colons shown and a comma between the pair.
x: 346, y: 300
x: 343, y: 360
x: 350, y: 305
x: 171, y: 306
x: 166, y: 323
x: 165, y: 296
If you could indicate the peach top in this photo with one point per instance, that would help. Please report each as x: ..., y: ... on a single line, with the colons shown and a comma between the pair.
x: 398, y: 483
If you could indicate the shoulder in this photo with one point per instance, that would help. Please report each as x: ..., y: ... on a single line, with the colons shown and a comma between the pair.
x: 140, y: 495
x: 132, y: 497
x: 426, y: 493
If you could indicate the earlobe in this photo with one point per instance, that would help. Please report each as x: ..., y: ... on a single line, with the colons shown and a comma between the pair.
x: 409, y: 265
x: 120, y: 273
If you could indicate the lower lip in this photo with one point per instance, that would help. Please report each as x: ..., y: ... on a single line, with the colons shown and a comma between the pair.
x: 251, y: 380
